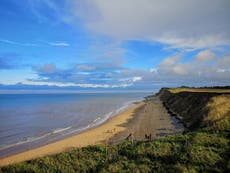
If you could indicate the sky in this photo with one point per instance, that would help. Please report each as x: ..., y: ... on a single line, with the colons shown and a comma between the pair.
x: 113, y: 45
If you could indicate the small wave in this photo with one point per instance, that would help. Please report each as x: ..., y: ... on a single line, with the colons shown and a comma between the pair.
x: 61, y: 129
x: 32, y: 139
x: 96, y: 119
x: 100, y: 120
x: 113, y: 113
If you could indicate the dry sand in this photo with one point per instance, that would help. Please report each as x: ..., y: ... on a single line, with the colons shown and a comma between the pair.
x: 147, y: 117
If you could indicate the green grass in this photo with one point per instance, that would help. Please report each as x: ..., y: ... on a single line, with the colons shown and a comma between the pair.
x: 193, y: 152
x: 177, y: 90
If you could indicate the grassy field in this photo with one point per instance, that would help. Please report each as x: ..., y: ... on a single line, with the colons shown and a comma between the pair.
x: 177, y: 90
x: 205, y: 149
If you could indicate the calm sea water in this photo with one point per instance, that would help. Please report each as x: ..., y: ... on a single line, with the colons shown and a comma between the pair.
x: 30, y: 120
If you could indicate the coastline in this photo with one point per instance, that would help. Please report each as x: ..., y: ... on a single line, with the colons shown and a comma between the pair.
x: 147, y: 117
x: 54, y: 136
x: 96, y: 135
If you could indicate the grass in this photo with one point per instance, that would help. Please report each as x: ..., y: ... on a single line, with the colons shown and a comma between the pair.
x: 177, y: 90
x: 205, y: 149
x: 219, y: 108
x: 193, y: 152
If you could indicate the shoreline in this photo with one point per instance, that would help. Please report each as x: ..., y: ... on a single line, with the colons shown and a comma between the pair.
x: 26, y: 145
x: 147, y: 117
x: 95, y: 135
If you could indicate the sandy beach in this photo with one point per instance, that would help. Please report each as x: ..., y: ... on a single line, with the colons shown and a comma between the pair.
x: 150, y: 118
x: 146, y: 117
x: 93, y: 136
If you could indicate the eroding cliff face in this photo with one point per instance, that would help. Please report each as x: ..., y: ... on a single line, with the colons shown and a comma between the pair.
x: 196, y: 109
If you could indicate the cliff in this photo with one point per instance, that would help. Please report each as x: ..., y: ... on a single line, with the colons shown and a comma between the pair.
x: 196, y: 109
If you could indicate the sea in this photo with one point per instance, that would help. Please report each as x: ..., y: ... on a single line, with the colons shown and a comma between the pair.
x: 28, y: 121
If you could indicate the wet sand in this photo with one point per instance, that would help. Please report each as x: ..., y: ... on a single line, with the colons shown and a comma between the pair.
x: 147, y: 117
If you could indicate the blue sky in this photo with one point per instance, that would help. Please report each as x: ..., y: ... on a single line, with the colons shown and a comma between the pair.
x: 99, y: 44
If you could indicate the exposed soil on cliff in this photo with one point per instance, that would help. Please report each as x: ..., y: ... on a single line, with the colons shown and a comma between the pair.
x: 190, y: 107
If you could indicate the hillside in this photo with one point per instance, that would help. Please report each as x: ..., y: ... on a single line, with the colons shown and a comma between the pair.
x: 204, y: 147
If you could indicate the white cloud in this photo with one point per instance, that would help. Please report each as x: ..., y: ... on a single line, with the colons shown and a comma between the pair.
x: 187, y: 24
x: 64, y: 44
x: 134, y: 79
x: 88, y: 75
x: 205, y: 66
x: 205, y: 56
x: 223, y: 70
x: 196, y: 42
x: 171, y: 60
x: 17, y: 43
x: 46, y: 68
x: 173, y: 66
x: 179, y: 23
x: 153, y: 70
x: 131, y: 79
x: 36, y: 7
x: 60, y: 84
x: 34, y: 44
x: 85, y: 67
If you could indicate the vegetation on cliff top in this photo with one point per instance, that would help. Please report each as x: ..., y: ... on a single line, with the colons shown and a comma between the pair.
x: 207, y: 90
x: 205, y: 149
